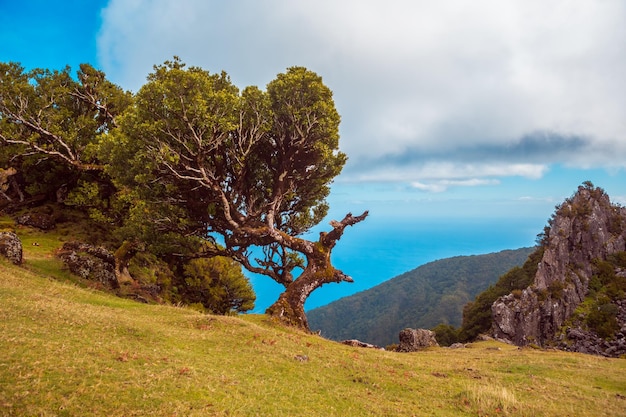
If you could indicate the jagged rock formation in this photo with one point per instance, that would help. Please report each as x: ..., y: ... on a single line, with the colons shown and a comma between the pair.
x: 584, y: 228
x: 11, y: 247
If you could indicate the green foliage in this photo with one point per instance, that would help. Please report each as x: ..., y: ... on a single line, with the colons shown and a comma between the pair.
x: 605, y: 280
x: 50, y: 127
x: 556, y: 289
x: 194, y: 137
x: 148, y: 269
x: 602, y: 317
x: 605, y: 287
x: 219, y: 285
x: 446, y: 334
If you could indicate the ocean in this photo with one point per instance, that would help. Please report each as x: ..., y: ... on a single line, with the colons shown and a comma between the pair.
x: 377, y: 250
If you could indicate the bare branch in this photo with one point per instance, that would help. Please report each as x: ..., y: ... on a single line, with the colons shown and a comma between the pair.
x: 329, y: 239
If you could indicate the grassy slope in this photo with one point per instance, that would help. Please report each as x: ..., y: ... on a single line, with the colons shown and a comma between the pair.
x: 72, y: 351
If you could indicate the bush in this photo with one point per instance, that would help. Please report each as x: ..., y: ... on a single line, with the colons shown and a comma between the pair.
x: 218, y: 284
x: 446, y: 334
x: 603, y: 318
x: 556, y: 289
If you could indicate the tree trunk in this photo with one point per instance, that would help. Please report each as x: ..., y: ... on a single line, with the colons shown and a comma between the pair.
x: 289, y: 307
x: 123, y: 255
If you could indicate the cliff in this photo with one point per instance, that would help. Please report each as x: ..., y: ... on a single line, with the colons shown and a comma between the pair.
x: 585, y: 229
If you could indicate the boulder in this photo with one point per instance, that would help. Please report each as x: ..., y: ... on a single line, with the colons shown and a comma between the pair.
x: 412, y: 340
x: 90, y: 262
x: 358, y: 343
x: 11, y: 247
x: 41, y: 221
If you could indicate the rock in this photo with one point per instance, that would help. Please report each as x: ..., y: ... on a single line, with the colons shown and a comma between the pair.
x: 358, y: 343
x: 412, y: 340
x: 90, y: 262
x: 456, y: 346
x: 97, y: 251
x: 39, y: 220
x: 585, y: 227
x: 11, y: 247
x: 575, y: 334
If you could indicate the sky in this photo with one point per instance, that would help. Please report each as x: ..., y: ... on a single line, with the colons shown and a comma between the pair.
x: 465, y: 123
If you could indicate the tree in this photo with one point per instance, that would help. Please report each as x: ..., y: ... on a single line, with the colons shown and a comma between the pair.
x: 50, y: 114
x: 51, y: 124
x: 250, y: 170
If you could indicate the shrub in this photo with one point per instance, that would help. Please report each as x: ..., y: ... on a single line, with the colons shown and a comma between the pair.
x: 603, y: 318
x: 219, y: 285
x: 446, y: 334
x: 556, y: 289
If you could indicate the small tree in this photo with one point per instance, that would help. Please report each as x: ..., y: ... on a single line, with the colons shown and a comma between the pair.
x: 249, y: 169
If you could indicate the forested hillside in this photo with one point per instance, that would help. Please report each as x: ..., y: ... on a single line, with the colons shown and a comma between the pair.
x: 429, y: 295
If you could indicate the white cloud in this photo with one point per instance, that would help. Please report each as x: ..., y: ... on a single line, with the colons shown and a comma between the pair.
x: 447, y: 172
x: 454, y: 86
x: 443, y: 185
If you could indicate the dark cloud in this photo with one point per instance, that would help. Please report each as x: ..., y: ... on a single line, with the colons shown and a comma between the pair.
x: 535, y: 148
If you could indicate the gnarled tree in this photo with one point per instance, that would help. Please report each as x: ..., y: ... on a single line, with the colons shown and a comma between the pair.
x: 249, y: 170
x: 50, y: 123
x: 50, y: 114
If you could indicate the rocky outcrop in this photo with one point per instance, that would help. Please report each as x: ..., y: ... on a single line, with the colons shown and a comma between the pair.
x: 11, y: 247
x: 585, y: 227
x: 413, y: 340
x: 582, y: 340
x: 90, y: 262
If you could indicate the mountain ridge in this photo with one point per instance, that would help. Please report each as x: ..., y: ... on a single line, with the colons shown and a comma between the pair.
x: 428, y: 295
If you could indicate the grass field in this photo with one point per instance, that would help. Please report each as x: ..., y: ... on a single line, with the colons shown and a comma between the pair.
x: 72, y: 351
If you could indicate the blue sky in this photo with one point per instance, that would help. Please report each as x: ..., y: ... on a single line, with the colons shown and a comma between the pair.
x: 482, y: 115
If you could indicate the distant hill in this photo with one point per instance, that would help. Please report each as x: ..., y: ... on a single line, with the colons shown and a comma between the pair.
x: 429, y: 295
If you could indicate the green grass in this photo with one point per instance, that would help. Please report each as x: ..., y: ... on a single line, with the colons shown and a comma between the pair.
x: 72, y: 351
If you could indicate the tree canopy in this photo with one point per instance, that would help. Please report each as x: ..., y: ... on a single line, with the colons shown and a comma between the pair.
x: 51, y: 115
x: 196, y: 167
x: 247, y: 169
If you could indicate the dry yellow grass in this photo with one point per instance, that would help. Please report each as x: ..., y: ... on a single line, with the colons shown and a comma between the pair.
x: 72, y: 351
